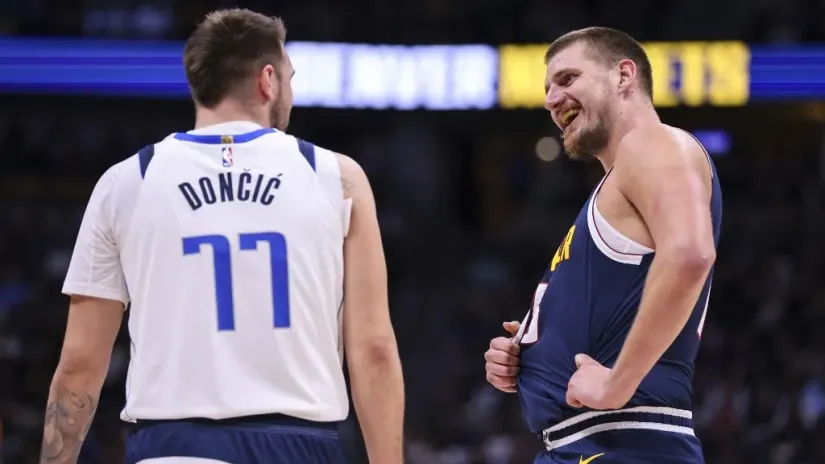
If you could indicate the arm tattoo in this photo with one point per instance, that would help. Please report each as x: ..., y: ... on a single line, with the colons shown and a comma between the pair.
x: 347, y: 186
x: 68, y: 418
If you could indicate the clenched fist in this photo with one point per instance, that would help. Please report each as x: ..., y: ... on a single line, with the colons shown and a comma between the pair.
x: 503, y: 360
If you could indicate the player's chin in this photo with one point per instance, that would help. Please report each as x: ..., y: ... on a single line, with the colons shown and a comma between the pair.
x: 571, y: 147
x: 570, y: 136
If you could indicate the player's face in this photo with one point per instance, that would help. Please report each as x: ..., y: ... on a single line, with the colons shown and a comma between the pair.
x: 578, y: 98
x: 282, y: 107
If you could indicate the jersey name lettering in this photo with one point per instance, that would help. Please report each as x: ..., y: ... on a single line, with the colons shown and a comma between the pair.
x: 229, y: 187
x: 563, y: 253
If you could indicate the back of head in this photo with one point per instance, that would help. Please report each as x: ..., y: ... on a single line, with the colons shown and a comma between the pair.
x: 228, y: 49
x: 609, y: 47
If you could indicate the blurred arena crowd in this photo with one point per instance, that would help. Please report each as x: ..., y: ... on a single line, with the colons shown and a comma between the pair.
x: 433, y: 21
x: 470, y: 218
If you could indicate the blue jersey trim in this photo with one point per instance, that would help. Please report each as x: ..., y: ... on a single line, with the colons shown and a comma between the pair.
x: 212, y: 139
x: 145, y: 155
x: 308, y: 150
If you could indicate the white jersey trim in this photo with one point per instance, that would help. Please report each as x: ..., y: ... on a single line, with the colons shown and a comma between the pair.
x: 618, y: 424
x: 610, y: 241
x: 181, y: 460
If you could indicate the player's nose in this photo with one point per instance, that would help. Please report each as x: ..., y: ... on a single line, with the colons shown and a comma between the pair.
x: 553, y: 100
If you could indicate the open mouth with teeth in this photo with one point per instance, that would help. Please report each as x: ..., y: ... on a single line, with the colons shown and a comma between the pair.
x: 569, y: 116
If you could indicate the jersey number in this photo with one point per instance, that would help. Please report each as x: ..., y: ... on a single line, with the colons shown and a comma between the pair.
x: 529, y: 330
x: 222, y: 257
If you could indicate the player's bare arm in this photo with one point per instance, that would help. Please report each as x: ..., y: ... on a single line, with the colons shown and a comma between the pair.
x: 668, y: 183
x: 92, y: 326
x: 369, y: 339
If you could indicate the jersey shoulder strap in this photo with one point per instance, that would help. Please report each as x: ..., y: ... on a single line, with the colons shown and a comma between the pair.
x: 308, y: 151
x: 145, y: 156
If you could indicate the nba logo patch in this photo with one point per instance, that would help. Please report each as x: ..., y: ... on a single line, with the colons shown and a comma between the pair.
x: 226, y: 156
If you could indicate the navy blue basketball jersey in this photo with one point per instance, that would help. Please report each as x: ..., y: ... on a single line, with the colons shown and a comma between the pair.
x: 586, y: 303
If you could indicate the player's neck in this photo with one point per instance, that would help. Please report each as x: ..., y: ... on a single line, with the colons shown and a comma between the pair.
x: 636, y: 115
x: 228, y: 112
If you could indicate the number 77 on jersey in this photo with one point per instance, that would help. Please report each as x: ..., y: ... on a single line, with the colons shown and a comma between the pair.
x: 222, y: 262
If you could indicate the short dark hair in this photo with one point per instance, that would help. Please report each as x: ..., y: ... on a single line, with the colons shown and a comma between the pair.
x: 608, y: 46
x: 228, y: 47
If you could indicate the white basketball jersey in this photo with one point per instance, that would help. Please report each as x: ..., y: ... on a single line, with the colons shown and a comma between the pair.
x: 227, y: 242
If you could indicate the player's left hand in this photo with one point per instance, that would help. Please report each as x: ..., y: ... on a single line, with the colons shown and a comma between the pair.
x: 591, y: 386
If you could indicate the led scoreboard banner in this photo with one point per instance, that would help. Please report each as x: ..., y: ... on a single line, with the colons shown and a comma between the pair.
x: 688, y: 73
x: 331, y: 75
x: 684, y: 73
x: 430, y: 77
x: 435, y: 77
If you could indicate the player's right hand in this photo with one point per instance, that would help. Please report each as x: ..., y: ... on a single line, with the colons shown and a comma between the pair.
x: 502, y: 360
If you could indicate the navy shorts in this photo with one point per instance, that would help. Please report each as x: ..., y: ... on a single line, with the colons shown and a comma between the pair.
x: 631, y: 436
x: 271, y: 439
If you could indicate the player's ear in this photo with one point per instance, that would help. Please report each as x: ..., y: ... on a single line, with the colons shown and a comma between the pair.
x: 268, y: 82
x: 627, y: 74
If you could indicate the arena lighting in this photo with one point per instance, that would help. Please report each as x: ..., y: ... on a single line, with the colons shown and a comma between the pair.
x: 716, y: 141
x: 688, y: 74
x: 332, y: 75
x: 398, y: 77
x: 431, y: 77
x: 548, y: 149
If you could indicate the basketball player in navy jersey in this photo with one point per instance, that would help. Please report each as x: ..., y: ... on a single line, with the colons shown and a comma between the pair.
x: 603, y: 362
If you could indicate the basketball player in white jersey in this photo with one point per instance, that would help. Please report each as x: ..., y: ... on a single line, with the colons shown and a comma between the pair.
x: 248, y: 260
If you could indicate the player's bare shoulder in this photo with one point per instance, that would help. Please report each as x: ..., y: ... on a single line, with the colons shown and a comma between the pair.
x: 660, y: 149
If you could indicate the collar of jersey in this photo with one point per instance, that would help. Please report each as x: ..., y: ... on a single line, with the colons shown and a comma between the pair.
x: 225, y: 133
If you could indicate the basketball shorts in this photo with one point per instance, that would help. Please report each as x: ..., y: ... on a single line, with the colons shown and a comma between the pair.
x: 639, y: 435
x: 271, y: 439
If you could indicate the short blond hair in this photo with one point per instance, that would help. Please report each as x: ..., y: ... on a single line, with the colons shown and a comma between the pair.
x: 608, y: 46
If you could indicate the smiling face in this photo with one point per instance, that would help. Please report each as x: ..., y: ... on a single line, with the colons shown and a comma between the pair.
x: 579, y: 97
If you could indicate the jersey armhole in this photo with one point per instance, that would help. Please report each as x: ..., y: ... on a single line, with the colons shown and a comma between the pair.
x: 329, y: 173
x: 705, y: 151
